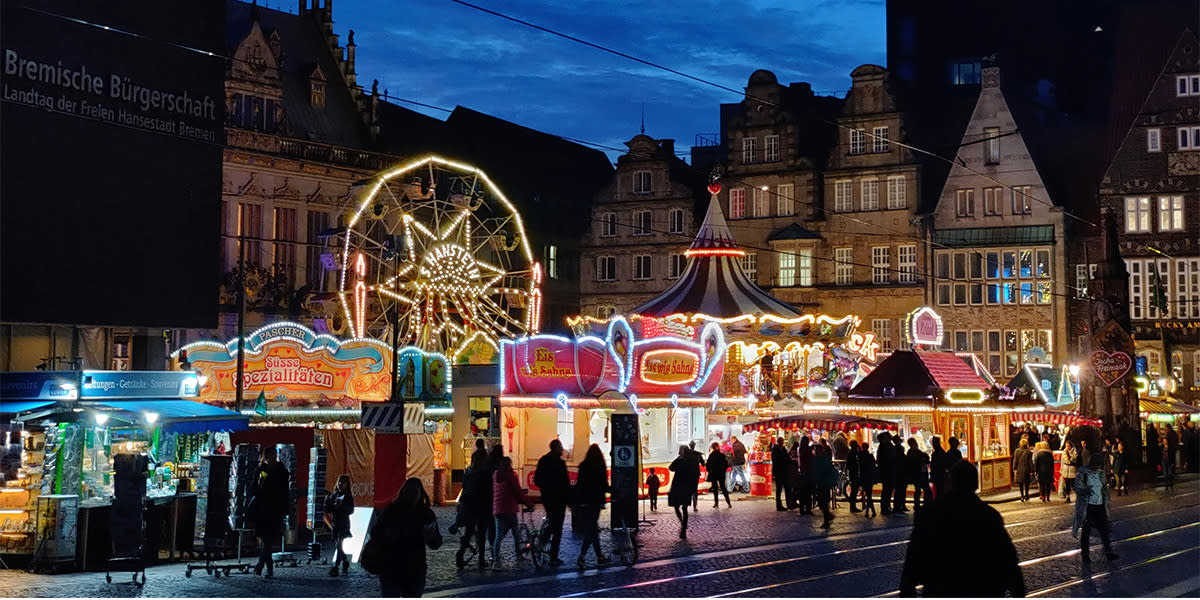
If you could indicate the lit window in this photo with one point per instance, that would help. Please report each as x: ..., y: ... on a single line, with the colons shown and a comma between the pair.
x: 965, y: 72
x: 896, y: 193
x: 1153, y: 140
x: 1137, y: 214
x: 1170, y: 213
x: 991, y: 145
x: 784, y: 200
x: 675, y: 220
x: 843, y: 259
x: 641, y: 266
x: 737, y: 203
x: 1137, y: 289
x: 870, y: 194
x: 608, y: 225
x: 641, y: 182
x: 750, y: 265
x: 1022, y: 199
x: 566, y: 430
x: 882, y: 328
x: 642, y: 222
x: 787, y: 269
x: 749, y: 149
x: 881, y: 264
x: 858, y: 141
x: 606, y: 268
x: 880, y: 139
x: 551, y: 258
x: 843, y: 196
x: 964, y: 203
x: 772, y: 149
x: 805, y: 264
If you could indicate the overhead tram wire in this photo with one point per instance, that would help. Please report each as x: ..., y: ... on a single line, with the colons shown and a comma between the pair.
x: 764, y: 101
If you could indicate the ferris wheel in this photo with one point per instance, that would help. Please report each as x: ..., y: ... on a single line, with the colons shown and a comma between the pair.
x: 435, y: 250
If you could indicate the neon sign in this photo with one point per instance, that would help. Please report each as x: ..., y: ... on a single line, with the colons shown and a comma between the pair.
x: 924, y: 327
x: 965, y: 396
x: 864, y: 345
x: 669, y: 367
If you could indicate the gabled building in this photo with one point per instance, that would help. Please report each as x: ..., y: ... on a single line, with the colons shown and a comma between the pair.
x: 1153, y: 185
x: 998, y: 251
x: 641, y: 224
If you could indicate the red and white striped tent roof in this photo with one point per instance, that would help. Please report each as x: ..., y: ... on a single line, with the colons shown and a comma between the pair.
x: 713, y: 283
x: 1056, y: 417
x: 822, y: 422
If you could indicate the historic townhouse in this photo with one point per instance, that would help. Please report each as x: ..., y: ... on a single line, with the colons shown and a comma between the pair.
x: 998, y: 258
x: 642, y: 222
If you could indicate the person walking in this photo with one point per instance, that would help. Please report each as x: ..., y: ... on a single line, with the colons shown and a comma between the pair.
x: 824, y: 480
x: 683, y: 486
x: 552, y: 479
x: 869, y: 474
x: 403, y: 528
x: 804, y: 463
x: 885, y: 459
x: 1172, y: 447
x: 841, y: 447
x: 475, y: 507
x: 652, y: 485
x: 918, y: 473
x: 937, y: 465
x: 989, y: 570
x: 591, y: 492
x: 339, y: 506
x: 717, y: 464
x: 699, y: 461
x: 1091, y: 508
x: 1153, y: 452
x: 853, y: 475
x: 1189, y: 439
x: 269, y: 506
x: 900, y: 494
x: 738, y: 462
x: 1119, y: 468
x: 1066, y: 470
x: 506, y: 496
x: 1043, y: 464
x: 781, y: 467
x: 1023, y: 467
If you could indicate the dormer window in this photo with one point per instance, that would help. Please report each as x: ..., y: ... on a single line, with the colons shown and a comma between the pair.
x: 316, y: 83
x: 641, y: 182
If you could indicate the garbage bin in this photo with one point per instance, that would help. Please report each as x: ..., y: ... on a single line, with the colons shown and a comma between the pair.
x: 760, y: 478
x: 439, y: 487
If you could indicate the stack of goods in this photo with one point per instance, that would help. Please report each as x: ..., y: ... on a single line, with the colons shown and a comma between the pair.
x: 241, y: 482
x: 129, y: 500
x: 316, y: 486
x: 287, y: 456
x: 212, y: 501
x: 20, y: 493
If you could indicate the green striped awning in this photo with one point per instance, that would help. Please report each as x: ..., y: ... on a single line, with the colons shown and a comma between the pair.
x: 994, y: 236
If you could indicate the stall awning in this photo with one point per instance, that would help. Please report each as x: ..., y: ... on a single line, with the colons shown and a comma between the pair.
x: 822, y: 421
x: 12, y: 407
x: 1055, y: 417
x: 182, y: 416
x: 1166, y: 407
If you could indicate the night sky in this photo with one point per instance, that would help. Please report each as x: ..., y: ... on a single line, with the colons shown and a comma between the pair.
x: 445, y: 54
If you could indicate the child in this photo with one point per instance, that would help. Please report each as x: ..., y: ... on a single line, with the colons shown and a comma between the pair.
x: 652, y: 483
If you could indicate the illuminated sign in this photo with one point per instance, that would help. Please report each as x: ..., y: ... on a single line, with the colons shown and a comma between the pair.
x: 819, y: 393
x: 865, y: 345
x: 965, y: 396
x: 923, y: 327
x: 1110, y: 367
x: 669, y: 367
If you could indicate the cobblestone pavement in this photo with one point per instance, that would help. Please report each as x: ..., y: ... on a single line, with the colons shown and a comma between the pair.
x: 747, y: 550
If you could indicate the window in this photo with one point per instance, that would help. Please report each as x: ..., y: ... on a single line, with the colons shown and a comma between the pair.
x: 1170, y: 213
x: 608, y: 224
x: 960, y: 341
x: 675, y: 220
x: 1012, y: 352
x: 284, y: 248
x: 641, y: 182
x: 1196, y: 369
x: 993, y: 201
x: 737, y: 203
x: 991, y: 145
x: 964, y: 203
x: 870, y: 194
x: 1159, y: 272
x: 1026, y: 265
x: 1153, y: 362
x: 943, y: 294
x: 908, y: 263
x: 896, y: 193
x: 772, y: 148
x: 965, y: 72
x: 787, y: 269
x: 1187, y: 85
x: 605, y: 311
x: 1153, y: 140
x: 1189, y: 138
x: 1187, y: 288
x: 566, y: 431
x: 750, y: 266
x: 843, y: 270
x: 551, y: 258
x: 761, y: 206
x: 882, y: 328
x: 1022, y: 200
x: 992, y: 268
x: 250, y: 225
x: 318, y: 222
x: 641, y: 267
x: 1009, y: 267
x: 749, y: 149
x: 785, y: 204
x: 641, y: 222
x: 1137, y: 289
x: 804, y: 258
x: 880, y: 140
x: 606, y: 268
x: 316, y: 95
x: 881, y: 264
x: 677, y: 264
x: 843, y: 196
x: 977, y: 342
x: 253, y: 112
x: 1083, y: 277
x: 1137, y: 214
x: 858, y: 141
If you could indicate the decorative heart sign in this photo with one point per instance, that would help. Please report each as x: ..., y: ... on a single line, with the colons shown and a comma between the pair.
x: 1110, y: 367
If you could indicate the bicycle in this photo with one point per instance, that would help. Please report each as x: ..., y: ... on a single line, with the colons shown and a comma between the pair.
x: 538, y: 544
x: 527, y: 543
x: 625, y: 546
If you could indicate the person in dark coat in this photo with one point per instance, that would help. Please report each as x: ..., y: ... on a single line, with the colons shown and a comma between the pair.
x: 1023, y: 467
x: 917, y: 465
x: 824, y: 478
x: 700, y: 461
x: 1153, y: 452
x: 869, y: 474
x: 339, y: 506
x: 804, y: 459
x: 683, y: 486
x: 552, y: 479
x: 781, y: 468
x: 403, y: 525
x: 1190, y: 440
x: 738, y: 462
x: 717, y: 464
x: 900, y: 471
x: 270, y: 507
x: 1043, y: 464
x: 1172, y: 449
x: 475, y: 506
x: 937, y: 465
x: 953, y: 455
x: 989, y: 570
x: 854, y: 475
x: 885, y: 459
x: 591, y: 489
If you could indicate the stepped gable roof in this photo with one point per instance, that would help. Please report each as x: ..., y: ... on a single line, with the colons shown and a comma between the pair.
x: 713, y: 283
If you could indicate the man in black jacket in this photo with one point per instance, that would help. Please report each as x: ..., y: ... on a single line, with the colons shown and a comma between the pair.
x: 781, y: 471
x: 551, y: 477
x: 886, y: 464
x: 989, y: 570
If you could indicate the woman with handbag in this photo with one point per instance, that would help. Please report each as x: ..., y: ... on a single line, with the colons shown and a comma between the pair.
x: 340, y: 505
x: 396, y: 548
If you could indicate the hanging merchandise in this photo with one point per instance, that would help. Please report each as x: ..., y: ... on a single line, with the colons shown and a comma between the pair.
x: 287, y: 457
x: 241, y: 482
x: 213, y: 502
x: 318, y: 461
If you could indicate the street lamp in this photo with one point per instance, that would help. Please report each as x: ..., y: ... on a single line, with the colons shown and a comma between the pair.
x: 1073, y: 370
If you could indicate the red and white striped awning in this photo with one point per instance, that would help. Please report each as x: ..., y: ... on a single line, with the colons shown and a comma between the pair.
x: 1053, y: 417
x: 822, y: 422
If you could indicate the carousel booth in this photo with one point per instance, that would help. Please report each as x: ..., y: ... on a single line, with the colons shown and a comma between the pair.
x: 940, y: 393
x: 63, y: 435
x: 696, y: 363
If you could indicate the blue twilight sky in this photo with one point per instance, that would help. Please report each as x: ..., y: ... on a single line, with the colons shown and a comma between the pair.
x: 444, y: 54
